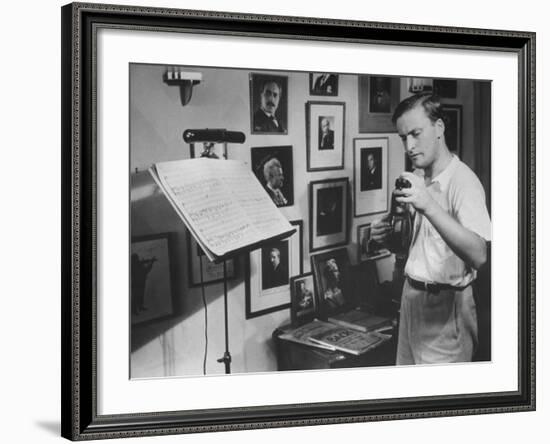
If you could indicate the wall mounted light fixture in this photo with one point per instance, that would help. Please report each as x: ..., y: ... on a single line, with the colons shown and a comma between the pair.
x: 184, y: 79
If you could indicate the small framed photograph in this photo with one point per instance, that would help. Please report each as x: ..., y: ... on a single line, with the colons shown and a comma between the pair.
x: 304, y: 306
x: 378, y: 97
x: 201, y: 270
x: 368, y: 248
x: 268, y: 272
x: 323, y: 84
x: 328, y: 213
x: 212, y: 150
x: 153, y: 288
x: 453, y: 128
x: 273, y: 167
x: 268, y: 104
x: 370, y: 171
x: 329, y: 271
x: 445, y: 88
x: 325, y: 123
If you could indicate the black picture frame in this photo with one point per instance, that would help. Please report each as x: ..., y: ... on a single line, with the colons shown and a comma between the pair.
x: 377, y: 118
x: 304, y: 306
x: 258, y: 121
x: 328, y: 229
x: 282, y: 156
x: 323, y: 87
x: 80, y: 419
x: 453, y: 127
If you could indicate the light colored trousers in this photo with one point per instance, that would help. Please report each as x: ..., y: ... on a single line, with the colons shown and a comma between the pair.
x: 436, y: 327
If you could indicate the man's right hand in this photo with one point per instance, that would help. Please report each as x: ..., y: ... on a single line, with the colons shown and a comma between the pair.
x: 381, y: 229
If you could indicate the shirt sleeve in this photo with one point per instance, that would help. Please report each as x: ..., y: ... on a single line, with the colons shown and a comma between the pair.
x: 469, y: 206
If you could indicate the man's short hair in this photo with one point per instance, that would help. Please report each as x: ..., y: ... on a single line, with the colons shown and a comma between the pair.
x: 429, y: 101
x: 270, y: 166
x: 267, y: 82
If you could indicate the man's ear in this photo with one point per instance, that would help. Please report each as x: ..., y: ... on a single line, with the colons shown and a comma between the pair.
x: 439, y: 128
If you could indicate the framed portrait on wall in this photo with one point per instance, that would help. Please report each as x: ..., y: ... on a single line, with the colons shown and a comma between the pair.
x: 325, y: 123
x: 304, y: 304
x: 328, y: 213
x: 273, y: 167
x: 370, y: 175
x: 268, y: 271
x: 453, y: 128
x: 212, y: 150
x: 268, y: 104
x: 153, y: 288
x: 378, y: 97
x: 202, y: 271
x: 323, y: 84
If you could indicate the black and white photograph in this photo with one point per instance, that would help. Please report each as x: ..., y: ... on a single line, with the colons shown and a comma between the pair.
x: 304, y: 306
x: 370, y: 188
x: 445, y: 88
x: 323, y: 84
x: 328, y: 213
x: 367, y: 247
x: 453, y: 128
x: 153, y: 290
x: 268, y: 104
x: 268, y: 271
x: 274, y: 169
x: 325, y: 125
x: 330, y: 270
x: 326, y: 133
x: 378, y: 97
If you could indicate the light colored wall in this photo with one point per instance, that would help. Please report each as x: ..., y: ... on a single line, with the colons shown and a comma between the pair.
x: 222, y: 101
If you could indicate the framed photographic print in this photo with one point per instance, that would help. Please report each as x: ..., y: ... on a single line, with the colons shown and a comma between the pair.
x: 325, y: 123
x: 329, y: 213
x: 368, y: 248
x: 106, y: 108
x: 304, y: 306
x: 378, y: 97
x: 202, y: 271
x: 453, y: 128
x: 153, y: 288
x: 273, y: 167
x: 268, y: 104
x: 323, y: 84
x: 370, y: 175
x: 330, y: 271
x: 445, y: 88
x: 212, y: 150
x: 268, y: 272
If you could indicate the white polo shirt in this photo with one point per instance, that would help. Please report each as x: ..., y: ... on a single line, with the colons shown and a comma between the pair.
x: 459, y: 192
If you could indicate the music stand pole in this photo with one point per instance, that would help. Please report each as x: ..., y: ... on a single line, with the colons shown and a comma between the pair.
x: 226, y: 359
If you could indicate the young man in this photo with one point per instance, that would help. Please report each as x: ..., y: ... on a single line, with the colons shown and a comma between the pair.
x: 438, y: 320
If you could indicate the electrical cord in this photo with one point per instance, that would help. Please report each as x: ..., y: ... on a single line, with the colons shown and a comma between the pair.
x: 205, y: 320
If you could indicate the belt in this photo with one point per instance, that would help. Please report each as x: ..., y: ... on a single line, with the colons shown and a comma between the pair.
x: 433, y: 287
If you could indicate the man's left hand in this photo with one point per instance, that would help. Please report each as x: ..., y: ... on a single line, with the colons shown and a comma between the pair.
x: 417, y: 195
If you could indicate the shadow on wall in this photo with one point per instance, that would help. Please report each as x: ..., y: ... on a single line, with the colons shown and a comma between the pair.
x: 151, y: 213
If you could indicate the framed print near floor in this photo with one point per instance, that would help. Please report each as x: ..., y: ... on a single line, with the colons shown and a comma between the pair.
x: 370, y: 175
x: 325, y: 124
x: 153, y: 285
x: 211, y: 272
x: 99, y: 45
x: 328, y: 213
x: 268, y: 272
x: 304, y: 304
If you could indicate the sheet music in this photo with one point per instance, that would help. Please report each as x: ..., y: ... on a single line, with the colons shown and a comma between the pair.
x: 221, y: 202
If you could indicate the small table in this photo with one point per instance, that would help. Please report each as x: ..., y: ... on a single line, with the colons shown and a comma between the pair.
x: 294, y: 356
